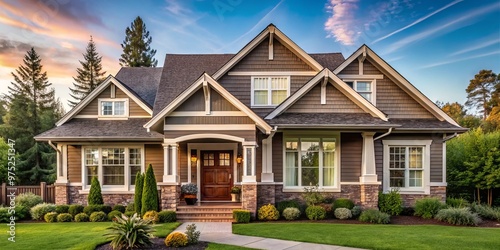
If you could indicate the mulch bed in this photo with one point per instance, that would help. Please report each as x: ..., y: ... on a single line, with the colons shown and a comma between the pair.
x: 159, y: 244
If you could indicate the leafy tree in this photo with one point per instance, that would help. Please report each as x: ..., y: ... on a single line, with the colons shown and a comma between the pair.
x: 480, y: 90
x: 90, y: 75
x: 95, y: 195
x: 458, y: 112
x: 136, y: 49
x: 139, y: 185
x: 149, y: 192
x: 32, y: 110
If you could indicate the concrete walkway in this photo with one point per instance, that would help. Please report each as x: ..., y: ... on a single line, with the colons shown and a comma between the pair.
x: 221, y: 232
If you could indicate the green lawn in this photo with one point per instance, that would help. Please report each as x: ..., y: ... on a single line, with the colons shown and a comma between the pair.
x: 378, y: 236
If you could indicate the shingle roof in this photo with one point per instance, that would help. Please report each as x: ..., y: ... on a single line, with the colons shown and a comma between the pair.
x: 180, y: 71
x: 329, y: 60
x: 328, y: 119
x: 141, y: 80
x: 93, y: 129
x: 425, y: 124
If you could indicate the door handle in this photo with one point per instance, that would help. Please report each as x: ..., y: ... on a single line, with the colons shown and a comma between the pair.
x: 230, y: 176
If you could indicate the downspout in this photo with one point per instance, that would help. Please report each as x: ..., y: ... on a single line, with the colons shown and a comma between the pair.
x: 447, y: 138
x: 54, y: 147
x: 383, y: 135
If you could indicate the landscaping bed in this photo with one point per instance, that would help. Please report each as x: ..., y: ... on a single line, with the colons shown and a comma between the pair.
x: 159, y: 244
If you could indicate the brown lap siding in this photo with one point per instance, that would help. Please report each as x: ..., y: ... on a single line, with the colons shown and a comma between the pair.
x: 351, y: 150
x: 75, y: 163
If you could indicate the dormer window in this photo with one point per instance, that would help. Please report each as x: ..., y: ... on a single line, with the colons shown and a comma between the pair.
x: 364, y: 88
x: 269, y: 91
x: 113, y: 107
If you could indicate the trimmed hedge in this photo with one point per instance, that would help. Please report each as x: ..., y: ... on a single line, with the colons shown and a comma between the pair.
x: 50, y: 217
x: 98, y: 216
x: 342, y: 202
x: 119, y: 207
x: 95, y: 195
x: 81, y: 217
x: 62, y: 209
x: 291, y: 213
x: 112, y: 215
x: 342, y: 213
x: 64, y: 217
x: 167, y: 216
x: 75, y: 209
x: 315, y: 212
x: 282, y: 205
x: 241, y: 216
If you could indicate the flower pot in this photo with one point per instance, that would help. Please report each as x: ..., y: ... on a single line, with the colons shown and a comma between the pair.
x: 235, y: 197
x: 190, y: 201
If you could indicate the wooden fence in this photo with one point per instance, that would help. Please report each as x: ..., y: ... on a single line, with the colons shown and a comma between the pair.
x: 47, y: 192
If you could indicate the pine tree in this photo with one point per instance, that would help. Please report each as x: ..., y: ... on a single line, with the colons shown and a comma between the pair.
x: 90, y: 75
x: 479, y: 91
x: 150, y: 192
x: 136, y: 49
x: 31, y: 111
x: 95, y: 195
x: 139, y: 185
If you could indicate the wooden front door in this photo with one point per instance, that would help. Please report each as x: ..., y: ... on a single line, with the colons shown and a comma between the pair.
x: 216, y: 170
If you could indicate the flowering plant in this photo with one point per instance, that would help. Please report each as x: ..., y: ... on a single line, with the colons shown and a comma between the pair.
x: 189, y: 188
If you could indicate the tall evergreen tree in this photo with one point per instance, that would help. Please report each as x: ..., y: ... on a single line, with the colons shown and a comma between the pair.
x: 139, y: 185
x: 480, y: 90
x: 149, y: 192
x: 31, y: 111
x: 136, y: 49
x: 90, y: 75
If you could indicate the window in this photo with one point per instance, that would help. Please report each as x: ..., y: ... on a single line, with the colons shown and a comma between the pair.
x: 113, y: 107
x: 364, y: 88
x: 406, y: 165
x: 311, y: 161
x: 116, y: 167
x: 269, y: 91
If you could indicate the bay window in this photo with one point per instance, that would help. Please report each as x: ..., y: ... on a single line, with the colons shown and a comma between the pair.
x: 311, y: 161
x: 270, y: 91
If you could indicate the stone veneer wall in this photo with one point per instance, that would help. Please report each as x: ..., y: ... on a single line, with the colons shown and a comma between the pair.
x: 352, y: 192
x: 169, y: 198
x: 62, y: 197
x: 109, y: 199
x: 369, y: 195
x: 249, y: 198
x: 437, y: 192
x: 266, y: 194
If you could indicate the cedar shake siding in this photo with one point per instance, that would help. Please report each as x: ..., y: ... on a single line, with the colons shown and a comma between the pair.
x: 93, y: 107
x: 351, y: 149
x: 196, y: 102
x: 154, y: 156
x: 336, y: 102
x: 75, y: 163
x: 284, y: 59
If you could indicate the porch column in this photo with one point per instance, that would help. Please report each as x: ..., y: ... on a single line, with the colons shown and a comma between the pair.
x: 173, y: 160
x: 249, y: 162
x: 368, y: 170
x: 167, y: 171
x: 267, y: 174
x: 62, y: 163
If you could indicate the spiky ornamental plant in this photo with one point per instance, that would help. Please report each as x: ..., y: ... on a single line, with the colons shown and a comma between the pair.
x: 95, y: 196
x: 90, y: 75
x: 130, y: 232
x: 136, y: 49
x: 149, y: 192
x: 139, y: 186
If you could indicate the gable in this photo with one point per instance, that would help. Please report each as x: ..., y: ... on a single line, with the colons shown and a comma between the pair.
x: 336, y: 102
x: 196, y: 102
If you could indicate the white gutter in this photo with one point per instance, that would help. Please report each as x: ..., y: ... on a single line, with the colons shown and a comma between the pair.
x: 447, y: 138
x: 54, y: 146
x: 383, y: 135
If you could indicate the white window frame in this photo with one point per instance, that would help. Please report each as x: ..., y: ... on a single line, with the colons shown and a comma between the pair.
x: 113, y: 100
x: 373, y: 83
x: 127, y: 186
x: 269, y: 91
x: 426, y: 161
x: 337, y: 167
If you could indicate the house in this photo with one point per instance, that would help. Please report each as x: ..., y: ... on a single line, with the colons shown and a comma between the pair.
x: 271, y: 118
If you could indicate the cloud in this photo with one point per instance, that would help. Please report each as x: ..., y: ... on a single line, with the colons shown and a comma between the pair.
x: 342, y: 24
x: 460, y: 59
x: 476, y: 47
x: 176, y: 8
x: 417, y: 21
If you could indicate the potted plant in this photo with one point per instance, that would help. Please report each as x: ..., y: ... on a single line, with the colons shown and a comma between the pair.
x: 235, y: 193
x: 189, y: 192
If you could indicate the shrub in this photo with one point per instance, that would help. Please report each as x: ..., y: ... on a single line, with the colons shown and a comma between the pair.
x: 390, y: 203
x: 356, y: 211
x: 112, y: 215
x: 312, y: 195
x: 192, y: 234
x: 291, y: 213
x: 428, y: 207
x: 241, y: 216
x: 486, y: 212
x: 342, y: 202
x: 119, y: 207
x: 130, y: 207
x: 328, y: 209
x: 28, y: 200
x: 151, y: 216
x: 98, y: 217
x: 409, y: 211
x: 62, y: 209
x: 129, y: 232
x: 50, y: 217
x: 167, y: 216
x: 458, y: 216
x: 315, y: 212
x: 139, y: 185
x: 129, y: 213
x: 282, y: 205
x: 176, y: 239
x: 149, y: 192
x: 375, y: 216
x: 4, y: 214
x: 19, y: 212
x: 81, y: 217
x: 106, y: 209
x: 342, y: 213
x: 38, y: 212
x: 456, y: 202
x: 75, y: 209
x: 92, y: 208
x: 95, y: 196
x: 64, y: 217
x: 268, y: 212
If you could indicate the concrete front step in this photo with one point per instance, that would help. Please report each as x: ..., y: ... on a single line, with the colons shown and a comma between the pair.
x: 207, y: 212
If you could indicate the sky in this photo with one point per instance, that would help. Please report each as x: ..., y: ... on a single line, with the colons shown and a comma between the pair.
x: 438, y: 45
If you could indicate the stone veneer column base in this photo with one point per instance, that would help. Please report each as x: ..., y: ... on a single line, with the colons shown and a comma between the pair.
x: 437, y: 192
x: 249, y: 198
x: 266, y: 194
x: 169, y: 197
x: 62, y: 193
x: 369, y: 195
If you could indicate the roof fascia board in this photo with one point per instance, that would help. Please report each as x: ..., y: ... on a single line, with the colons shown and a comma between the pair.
x: 287, y: 42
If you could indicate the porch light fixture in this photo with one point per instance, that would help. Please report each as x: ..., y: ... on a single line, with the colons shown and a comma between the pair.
x: 239, y: 159
x: 194, y: 156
